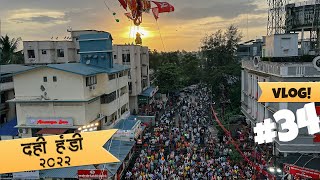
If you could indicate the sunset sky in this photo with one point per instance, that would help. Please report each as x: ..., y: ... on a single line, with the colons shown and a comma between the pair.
x: 180, y: 30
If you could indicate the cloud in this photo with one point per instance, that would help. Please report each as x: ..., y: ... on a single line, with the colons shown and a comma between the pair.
x: 223, y: 9
x: 37, y: 16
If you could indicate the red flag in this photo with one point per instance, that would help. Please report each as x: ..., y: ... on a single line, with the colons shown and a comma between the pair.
x: 155, y: 12
x: 129, y: 15
x: 164, y: 7
x: 123, y: 3
x: 316, y: 138
x: 318, y: 110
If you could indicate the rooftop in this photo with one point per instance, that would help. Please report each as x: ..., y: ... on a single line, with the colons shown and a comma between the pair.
x: 13, y: 68
x: 81, y: 69
x: 125, y: 124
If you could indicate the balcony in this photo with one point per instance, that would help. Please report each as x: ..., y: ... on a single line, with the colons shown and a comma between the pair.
x: 283, y: 69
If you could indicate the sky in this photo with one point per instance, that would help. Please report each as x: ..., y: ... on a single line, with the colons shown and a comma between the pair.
x: 179, y: 30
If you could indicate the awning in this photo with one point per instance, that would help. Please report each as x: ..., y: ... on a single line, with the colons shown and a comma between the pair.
x: 150, y: 92
x: 52, y: 131
x: 8, y: 129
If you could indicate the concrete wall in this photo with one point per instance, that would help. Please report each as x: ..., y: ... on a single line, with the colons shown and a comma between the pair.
x: 51, y: 55
x: 282, y: 45
x: 68, y: 86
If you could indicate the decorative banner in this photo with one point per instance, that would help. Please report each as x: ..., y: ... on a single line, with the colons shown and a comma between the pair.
x: 289, y: 92
x: 252, y: 164
x: 59, y: 151
x: 93, y: 174
x: 301, y: 172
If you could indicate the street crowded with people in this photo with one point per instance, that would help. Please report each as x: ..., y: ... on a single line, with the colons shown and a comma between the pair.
x: 183, y: 145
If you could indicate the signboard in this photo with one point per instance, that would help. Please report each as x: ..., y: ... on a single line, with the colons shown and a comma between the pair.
x: 26, y: 175
x: 93, y: 174
x: 301, y: 172
x: 142, y: 99
x: 49, y: 121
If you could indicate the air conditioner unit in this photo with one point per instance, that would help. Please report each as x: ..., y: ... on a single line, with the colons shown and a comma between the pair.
x: 100, y: 115
x: 22, y: 131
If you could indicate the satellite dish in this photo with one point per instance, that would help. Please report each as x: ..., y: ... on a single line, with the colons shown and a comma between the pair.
x: 88, y: 62
x: 42, y: 88
x: 316, y: 63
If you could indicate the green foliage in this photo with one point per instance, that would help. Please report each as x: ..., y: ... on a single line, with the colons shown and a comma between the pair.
x: 9, y: 47
x: 222, y: 69
x: 235, y: 156
x: 168, y: 78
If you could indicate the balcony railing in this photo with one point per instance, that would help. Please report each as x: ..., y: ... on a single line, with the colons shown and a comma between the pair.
x: 283, y: 69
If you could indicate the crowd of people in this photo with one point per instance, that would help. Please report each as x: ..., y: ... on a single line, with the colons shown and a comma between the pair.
x: 183, y: 146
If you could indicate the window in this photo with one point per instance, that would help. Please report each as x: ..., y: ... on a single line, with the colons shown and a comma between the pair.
x: 124, y: 109
x: 78, y: 51
x: 91, y: 80
x: 121, y: 74
x: 129, y: 74
x: 54, y: 78
x: 130, y: 87
x: 126, y: 58
x: 43, y: 52
x: 123, y: 90
x: 115, y: 56
x: 45, y: 79
x: 31, y: 54
x: 60, y: 52
x: 112, y: 76
x: 108, y: 98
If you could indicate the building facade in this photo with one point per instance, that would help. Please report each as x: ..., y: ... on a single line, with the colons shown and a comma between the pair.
x: 8, y: 111
x: 50, y: 52
x: 85, y: 96
x: 137, y: 59
x: 254, y: 71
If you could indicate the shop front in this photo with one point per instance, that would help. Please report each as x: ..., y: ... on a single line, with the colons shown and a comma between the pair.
x: 47, y: 126
x: 146, y: 98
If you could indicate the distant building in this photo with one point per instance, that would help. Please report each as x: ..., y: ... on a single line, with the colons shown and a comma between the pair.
x: 49, y: 52
x: 250, y: 49
x: 55, y: 51
x: 137, y: 58
x: 256, y: 70
x: 85, y: 96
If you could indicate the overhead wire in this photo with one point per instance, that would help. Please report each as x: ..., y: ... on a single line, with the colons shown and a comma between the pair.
x: 164, y: 48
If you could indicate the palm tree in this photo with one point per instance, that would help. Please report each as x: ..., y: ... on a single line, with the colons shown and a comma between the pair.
x: 10, y: 53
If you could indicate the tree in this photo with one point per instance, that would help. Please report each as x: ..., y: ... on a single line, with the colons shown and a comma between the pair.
x: 222, y: 69
x: 190, y: 67
x: 168, y: 78
x: 10, y: 53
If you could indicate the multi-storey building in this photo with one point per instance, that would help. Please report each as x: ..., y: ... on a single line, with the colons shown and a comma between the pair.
x: 49, y: 52
x: 8, y: 111
x: 85, y: 96
x: 257, y: 70
x: 137, y: 58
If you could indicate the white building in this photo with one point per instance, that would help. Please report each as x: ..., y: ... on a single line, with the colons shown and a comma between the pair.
x: 55, y: 51
x: 137, y: 58
x: 50, y: 52
x: 255, y: 71
x: 58, y: 98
